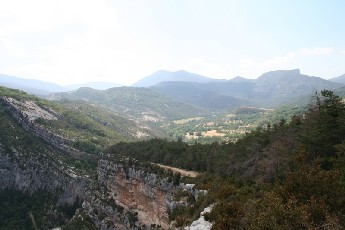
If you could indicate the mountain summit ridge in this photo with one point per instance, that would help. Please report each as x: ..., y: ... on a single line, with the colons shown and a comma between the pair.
x: 164, y: 75
x: 271, y: 89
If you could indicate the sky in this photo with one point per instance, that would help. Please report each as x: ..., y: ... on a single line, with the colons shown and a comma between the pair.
x: 122, y: 41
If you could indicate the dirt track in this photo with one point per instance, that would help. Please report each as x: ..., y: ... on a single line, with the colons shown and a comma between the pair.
x: 181, y: 171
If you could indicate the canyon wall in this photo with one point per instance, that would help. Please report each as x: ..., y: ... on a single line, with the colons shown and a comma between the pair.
x: 127, y: 196
x: 33, y: 164
x: 33, y: 172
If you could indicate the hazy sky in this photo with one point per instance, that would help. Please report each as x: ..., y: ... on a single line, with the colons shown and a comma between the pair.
x: 72, y: 41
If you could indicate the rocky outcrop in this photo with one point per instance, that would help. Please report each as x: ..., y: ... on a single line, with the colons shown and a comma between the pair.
x: 128, y: 195
x: 201, y: 223
x: 30, y: 169
x: 26, y: 114
x: 35, y: 172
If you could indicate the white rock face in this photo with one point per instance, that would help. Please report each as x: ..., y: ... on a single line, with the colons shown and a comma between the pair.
x: 201, y: 223
x: 31, y: 110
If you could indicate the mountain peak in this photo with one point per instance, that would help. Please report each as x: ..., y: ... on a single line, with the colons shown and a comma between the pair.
x: 240, y: 79
x: 281, y: 74
x: 164, y: 75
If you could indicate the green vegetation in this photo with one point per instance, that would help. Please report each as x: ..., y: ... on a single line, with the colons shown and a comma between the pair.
x: 196, y: 157
x: 89, y: 127
x: 185, y: 215
x: 13, y: 136
x: 80, y: 221
x: 92, y: 127
x: 283, y: 176
x: 228, y: 127
x: 17, y: 94
x: 287, y: 173
x: 15, y: 209
x: 134, y: 102
x: 20, y: 210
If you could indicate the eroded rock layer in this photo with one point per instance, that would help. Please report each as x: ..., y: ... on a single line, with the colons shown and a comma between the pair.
x: 127, y: 194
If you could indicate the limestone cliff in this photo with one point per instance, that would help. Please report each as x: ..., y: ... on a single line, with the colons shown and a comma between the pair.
x: 127, y: 196
x: 30, y: 163
x: 27, y: 112
x: 37, y: 173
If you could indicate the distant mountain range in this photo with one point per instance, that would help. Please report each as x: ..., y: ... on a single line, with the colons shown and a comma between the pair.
x: 179, y: 76
x: 269, y: 90
x: 31, y: 85
x: 43, y: 88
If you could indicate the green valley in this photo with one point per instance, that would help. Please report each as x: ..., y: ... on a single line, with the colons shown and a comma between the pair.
x: 172, y: 115
x: 79, y: 152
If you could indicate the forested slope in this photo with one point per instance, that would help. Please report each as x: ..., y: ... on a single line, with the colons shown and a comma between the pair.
x: 284, y: 176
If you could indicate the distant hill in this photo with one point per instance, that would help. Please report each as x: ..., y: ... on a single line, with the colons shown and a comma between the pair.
x: 142, y: 104
x: 100, y: 85
x: 163, y: 75
x: 43, y: 88
x: 283, y: 85
x: 31, y: 85
x: 271, y: 89
x: 306, y: 101
x: 340, y: 79
x: 193, y: 93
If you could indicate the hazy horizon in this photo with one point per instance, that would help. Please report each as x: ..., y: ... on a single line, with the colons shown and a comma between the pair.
x: 84, y: 82
x: 71, y: 42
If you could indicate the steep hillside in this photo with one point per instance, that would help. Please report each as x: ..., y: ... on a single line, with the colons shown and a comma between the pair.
x: 163, y: 75
x: 41, y: 185
x: 142, y: 104
x: 77, y: 124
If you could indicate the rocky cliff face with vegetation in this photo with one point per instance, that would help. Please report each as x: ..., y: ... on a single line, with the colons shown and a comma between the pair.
x: 127, y: 195
x: 38, y: 173
x: 28, y: 164
x: 27, y: 112
x: 37, y: 183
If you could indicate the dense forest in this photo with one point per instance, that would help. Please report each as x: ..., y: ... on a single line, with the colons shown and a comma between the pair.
x: 284, y: 176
